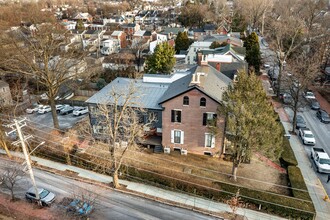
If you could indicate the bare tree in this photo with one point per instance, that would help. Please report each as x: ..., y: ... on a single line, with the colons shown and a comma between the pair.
x: 304, y: 69
x: 120, y: 125
x: 10, y: 176
x: 42, y: 53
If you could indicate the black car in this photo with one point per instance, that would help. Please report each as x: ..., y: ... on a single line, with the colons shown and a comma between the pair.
x: 323, y: 116
x: 315, y: 105
x: 300, y: 122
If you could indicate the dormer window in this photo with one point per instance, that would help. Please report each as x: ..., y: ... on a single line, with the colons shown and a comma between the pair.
x: 186, y: 100
x: 202, y: 102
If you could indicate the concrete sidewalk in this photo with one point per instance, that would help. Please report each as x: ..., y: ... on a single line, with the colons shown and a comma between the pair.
x: 160, y: 193
x: 314, y: 186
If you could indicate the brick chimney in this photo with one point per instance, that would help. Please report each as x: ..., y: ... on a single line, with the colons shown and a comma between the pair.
x: 217, y: 66
x: 199, y: 58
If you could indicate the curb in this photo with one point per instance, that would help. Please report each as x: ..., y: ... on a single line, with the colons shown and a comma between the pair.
x: 326, y: 196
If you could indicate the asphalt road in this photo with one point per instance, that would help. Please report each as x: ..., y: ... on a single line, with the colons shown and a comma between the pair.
x: 109, y: 204
x: 321, y: 131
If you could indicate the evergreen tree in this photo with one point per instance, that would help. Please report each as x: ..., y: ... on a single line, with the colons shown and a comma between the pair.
x: 251, y: 120
x: 80, y: 25
x: 216, y: 44
x: 182, y: 42
x: 162, y: 60
x: 253, y: 56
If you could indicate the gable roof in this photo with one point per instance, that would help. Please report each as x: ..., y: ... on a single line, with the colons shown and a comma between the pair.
x: 173, y: 30
x: 212, y: 84
x: 146, y: 96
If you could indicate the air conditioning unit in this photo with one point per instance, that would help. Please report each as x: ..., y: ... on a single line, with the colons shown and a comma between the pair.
x: 167, y: 150
x: 184, y: 152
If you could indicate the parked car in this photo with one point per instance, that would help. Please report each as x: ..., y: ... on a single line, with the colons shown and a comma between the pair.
x: 321, y: 160
x: 314, y: 104
x: 66, y: 110
x: 309, y: 95
x: 46, y: 197
x: 80, y: 111
x: 78, y: 207
x: 306, y: 136
x: 323, y: 116
x: 34, y: 108
x: 300, y: 122
x: 59, y: 107
x: 44, y: 109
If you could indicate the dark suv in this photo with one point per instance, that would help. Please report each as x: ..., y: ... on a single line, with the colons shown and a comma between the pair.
x: 323, y: 116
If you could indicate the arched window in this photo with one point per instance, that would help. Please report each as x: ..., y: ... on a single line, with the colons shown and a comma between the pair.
x: 203, y: 102
x: 186, y: 100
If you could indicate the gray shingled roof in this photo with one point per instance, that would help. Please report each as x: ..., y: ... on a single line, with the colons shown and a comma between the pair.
x: 147, y: 94
x: 213, y: 84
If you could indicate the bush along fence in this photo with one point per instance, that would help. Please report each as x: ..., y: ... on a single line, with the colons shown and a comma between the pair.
x: 298, y: 207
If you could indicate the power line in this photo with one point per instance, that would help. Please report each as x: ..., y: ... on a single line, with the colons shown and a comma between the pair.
x: 195, y: 183
x: 183, y: 164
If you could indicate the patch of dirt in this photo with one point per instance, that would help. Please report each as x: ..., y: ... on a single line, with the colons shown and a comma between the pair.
x: 22, y: 210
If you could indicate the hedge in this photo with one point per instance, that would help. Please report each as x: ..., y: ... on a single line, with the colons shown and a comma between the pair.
x: 297, y: 182
x: 270, y: 203
x: 287, y: 157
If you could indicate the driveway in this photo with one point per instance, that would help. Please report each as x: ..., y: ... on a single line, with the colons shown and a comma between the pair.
x: 45, y: 121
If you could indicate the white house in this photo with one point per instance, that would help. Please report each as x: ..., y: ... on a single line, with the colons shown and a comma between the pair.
x: 159, y: 39
x: 110, y: 46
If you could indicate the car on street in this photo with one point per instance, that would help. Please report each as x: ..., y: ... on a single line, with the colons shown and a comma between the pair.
x: 59, y: 107
x: 309, y: 95
x: 323, y: 116
x: 306, y: 136
x: 79, y: 207
x: 314, y: 104
x: 80, y: 111
x: 300, y: 122
x: 34, y: 108
x: 321, y: 160
x: 66, y: 110
x: 44, y: 109
x: 46, y: 197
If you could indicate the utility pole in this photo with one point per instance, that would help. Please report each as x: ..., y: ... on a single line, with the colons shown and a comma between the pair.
x: 25, y: 151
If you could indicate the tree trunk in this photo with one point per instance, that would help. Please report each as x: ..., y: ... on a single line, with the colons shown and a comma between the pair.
x: 54, y: 113
x: 4, y: 145
x: 234, y: 171
x: 115, y: 180
x: 12, y: 194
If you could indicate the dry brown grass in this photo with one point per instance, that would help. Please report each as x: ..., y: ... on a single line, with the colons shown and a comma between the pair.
x: 206, y: 170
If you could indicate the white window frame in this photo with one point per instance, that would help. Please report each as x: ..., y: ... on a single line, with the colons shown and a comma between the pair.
x: 173, y: 136
x: 207, y: 137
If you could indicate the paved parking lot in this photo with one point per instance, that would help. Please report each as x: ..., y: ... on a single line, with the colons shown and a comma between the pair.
x: 45, y: 121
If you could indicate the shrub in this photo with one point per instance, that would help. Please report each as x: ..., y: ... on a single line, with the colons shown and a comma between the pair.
x: 297, y: 182
x: 288, y: 158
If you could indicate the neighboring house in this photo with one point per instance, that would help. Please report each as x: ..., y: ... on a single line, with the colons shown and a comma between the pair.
x: 110, y: 46
x: 228, y: 38
x: 159, y: 38
x: 172, y: 32
x: 200, y: 33
x: 122, y: 61
x: 121, y: 37
x: 69, y: 25
x: 130, y: 29
x: 191, y: 57
x: 186, y: 104
x: 85, y: 17
x: 5, y: 95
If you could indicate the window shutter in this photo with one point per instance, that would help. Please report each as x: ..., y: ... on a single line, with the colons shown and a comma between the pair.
x: 172, y: 116
x: 172, y: 136
x: 204, y: 118
x: 205, y: 141
x: 213, y: 141
x: 179, y: 116
x: 182, y: 137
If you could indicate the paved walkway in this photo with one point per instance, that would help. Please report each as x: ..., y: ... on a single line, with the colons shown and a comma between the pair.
x: 314, y: 186
x: 159, y: 193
